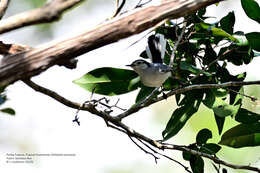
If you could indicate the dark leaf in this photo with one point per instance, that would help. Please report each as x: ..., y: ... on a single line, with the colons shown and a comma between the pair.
x: 220, y: 123
x: 242, y: 135
x: 227, y: 22
x: 247, y: 117
x: 210, y: 148
x: 197, y: 164
x: 254, y: 40
x: 9, y: 111
x: 251, y: 9
x: 203, y: 136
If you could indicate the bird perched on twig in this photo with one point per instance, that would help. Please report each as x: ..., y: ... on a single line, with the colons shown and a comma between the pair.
x: 156, y: 73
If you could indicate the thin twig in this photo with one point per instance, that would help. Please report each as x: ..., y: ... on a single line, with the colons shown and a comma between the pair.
x: 140, y: 4
x: 177, y: 43
x: 253, y: 99
x: 118, y: 8
x: 156, y: 152
x: 144, y: 150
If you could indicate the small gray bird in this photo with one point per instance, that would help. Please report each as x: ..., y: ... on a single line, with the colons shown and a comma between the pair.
x: 153, y: 74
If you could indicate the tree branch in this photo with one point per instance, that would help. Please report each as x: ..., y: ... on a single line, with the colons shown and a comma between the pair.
x: 118, y: 125
x: 183, y: 90
x: 3, y: 7
x: 49, y: 12
x: 35, y: 61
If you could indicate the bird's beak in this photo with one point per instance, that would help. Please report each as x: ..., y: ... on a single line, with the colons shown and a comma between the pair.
x: 130, y: 65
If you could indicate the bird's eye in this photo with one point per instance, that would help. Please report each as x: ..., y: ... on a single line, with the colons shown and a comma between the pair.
x: 138, y: 62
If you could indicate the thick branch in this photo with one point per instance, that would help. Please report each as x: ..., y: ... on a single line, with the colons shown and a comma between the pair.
x: 3, y: 7
x: 48, y: 13
x: 33, y: 62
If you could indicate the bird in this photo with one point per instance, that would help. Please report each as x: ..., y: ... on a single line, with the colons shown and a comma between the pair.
x: 153, y: 74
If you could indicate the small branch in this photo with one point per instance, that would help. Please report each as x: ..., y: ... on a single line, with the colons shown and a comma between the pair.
x: 3, y: 7
x: 144, y: 150
x: 137, y: 107
x: 49, y: 12
x: 177, y: 43
x: 167, y: 157
x: 253, y: 99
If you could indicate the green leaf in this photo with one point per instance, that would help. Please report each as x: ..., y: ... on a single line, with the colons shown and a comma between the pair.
x: 219, y: 106
x: 203, y: 136
x: 210, y: 148
x: 109, y: 81
x: 178, y: 119
x: 189, y: 67
x: 143, y: 93
x: 227, y: 22
x: 242, y: 135
x: 251, y: 9
x: 254, y: 40
x: 247, y: 117
x: 196, y: 164
x: 9, y: 111
x: 217, y: 32
x: 182, y: 114
x: 220, y: 123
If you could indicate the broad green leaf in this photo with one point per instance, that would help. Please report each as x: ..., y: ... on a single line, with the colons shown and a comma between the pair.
x: 109, y: 81
x: 242, y: 135
x: 210, y: 148
x: 9, y: 111
x: 227, y: 22
x: 254, y: 40
x: 251, y: 9
x: 203, y: 136
x: 196, y: 164
x: 247, y: 117
x: 189, y: 67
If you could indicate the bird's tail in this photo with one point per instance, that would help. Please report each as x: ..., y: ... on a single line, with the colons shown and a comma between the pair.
x: 156, y: 48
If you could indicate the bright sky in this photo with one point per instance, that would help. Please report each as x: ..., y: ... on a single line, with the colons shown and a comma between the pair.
x: 44, y: 126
